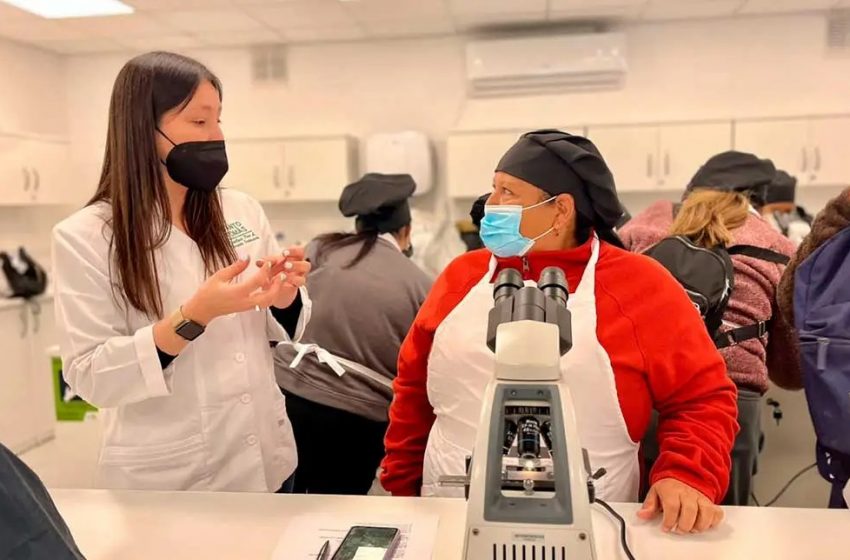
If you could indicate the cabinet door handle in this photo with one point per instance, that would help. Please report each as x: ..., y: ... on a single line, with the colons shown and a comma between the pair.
x: 25, y: 321
x: 817, y: 158
x: 37, y: 178
x: 291, y: 176
x: 805, y: 159
x: 649, y: 165
x: 276, y: 176
x: 36, y: 316
x: 666, y: 164
x: 26, y: 179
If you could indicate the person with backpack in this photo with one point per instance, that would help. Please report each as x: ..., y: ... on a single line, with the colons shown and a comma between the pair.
x: 729, y: 260
x: 781, y: 212
x: 814, y: 295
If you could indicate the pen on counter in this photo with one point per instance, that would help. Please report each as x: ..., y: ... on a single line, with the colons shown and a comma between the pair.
x: 323, y: 554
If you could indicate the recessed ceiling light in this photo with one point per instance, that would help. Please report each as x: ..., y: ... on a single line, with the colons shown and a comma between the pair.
x: 55, y: 9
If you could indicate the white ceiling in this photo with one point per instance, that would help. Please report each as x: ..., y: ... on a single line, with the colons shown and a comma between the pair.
x: 178, y: 24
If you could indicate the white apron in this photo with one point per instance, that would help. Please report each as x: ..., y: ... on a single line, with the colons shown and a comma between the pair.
x: 460, y: 366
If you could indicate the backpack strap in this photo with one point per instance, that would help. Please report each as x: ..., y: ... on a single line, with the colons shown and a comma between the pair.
x: 759, y: 253
x: 736, y: 336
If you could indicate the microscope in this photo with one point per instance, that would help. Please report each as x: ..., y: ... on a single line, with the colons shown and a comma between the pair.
x: 528, y: 481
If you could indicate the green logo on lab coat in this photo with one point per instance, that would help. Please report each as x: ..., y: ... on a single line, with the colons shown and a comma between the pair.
x: 240, y: 235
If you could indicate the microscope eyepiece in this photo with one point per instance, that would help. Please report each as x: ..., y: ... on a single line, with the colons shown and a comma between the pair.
x: 507, y: 284
x: 553, y: 284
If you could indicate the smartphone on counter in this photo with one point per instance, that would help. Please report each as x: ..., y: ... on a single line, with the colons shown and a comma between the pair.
x: 368, y: 543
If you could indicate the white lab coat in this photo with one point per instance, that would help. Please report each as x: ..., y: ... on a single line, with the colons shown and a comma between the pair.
x: 214, y: 419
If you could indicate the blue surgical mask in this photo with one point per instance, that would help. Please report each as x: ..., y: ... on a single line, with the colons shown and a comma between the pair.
x: 500, y: 230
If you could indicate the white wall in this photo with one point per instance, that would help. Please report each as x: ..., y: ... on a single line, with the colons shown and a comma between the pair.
x: 32, y: 99
x: 680, y: 70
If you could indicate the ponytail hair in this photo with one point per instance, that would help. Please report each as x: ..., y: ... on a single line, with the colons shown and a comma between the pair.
x: 708, y: 217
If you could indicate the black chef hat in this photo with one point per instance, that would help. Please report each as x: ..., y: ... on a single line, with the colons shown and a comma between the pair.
x: 783, y: 188
x: 379, y: 201
x: 735, y: 172
x: 562, y: 163
x: 477, y: 210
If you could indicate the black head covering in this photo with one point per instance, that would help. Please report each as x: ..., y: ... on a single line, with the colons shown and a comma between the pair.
x: 379, y: 201
x: 783, y: 188
x: 477, y: 210
x: 735, y: 172
x: 562, y: 163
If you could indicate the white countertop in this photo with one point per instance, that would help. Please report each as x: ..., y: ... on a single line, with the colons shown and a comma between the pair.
x: 189, y: 526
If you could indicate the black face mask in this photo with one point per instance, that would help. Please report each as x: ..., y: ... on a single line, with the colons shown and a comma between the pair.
x: 408, y: 252
x: 198, y: 166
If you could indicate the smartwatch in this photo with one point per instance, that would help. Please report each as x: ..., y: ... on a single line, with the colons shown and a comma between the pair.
x: 186, y: 328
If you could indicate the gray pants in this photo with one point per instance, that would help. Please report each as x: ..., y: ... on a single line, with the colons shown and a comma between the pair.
x: 745, y: 450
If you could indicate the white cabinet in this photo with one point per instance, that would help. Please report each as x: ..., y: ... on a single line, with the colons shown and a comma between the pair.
x: 683, y: 148
x: 659, y: 157
x: 27, y: 414
x: 317, y: 170
x: 472, y: 159
x: 828, y: 139
x: 34, y: 171
x: 632, y: 154
x: 255, y: 167
x: 291, y: 169
x: 812, y: 149
x: 782, y: 141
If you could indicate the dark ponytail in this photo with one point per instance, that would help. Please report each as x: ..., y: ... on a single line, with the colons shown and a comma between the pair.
x: 330, y: 242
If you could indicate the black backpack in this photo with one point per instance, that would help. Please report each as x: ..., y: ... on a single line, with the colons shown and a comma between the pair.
x: 708, y: 278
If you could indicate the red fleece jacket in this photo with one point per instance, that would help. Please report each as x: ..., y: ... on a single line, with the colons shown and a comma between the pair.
x: 661, y: 355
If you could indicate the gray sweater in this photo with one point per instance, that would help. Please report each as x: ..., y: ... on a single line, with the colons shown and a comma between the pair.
x: 361, y: 314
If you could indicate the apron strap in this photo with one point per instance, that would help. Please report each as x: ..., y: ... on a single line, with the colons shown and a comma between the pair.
x: 340, y: 366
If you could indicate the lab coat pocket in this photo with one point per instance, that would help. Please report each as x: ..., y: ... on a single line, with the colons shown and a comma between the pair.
x: 179, y: 465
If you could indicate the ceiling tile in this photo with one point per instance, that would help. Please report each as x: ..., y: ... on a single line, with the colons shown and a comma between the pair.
x: 156, y: 5
x: 239, y: 38
x: 690, y: 9
x: 408, y: 28
x: 134, y: 25
x: 198, y: 21
x: 779, y: 6
x: 462, y: 7
x: 10, y: 13
x: 314, y: 34
x: 396, y: 10
x: 81, y: 46
x: 315, y: 14
x: 570, y: 5
x: 470, y: 21
x: 38, y: 29
x: 165, y: 42
x: 598, y: 12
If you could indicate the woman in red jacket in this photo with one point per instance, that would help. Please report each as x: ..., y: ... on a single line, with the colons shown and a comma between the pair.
x: 638, y: 344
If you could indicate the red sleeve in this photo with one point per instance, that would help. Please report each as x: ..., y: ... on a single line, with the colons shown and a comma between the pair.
x: 663, y: 346
x: 695, y: 398
x: 411, y: 415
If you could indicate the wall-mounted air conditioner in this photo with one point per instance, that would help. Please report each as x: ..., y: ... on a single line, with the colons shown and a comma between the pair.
x: 534, y: 65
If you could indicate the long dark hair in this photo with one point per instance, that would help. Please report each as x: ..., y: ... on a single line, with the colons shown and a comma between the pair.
x: 148, y: 86
x: 330, y: 242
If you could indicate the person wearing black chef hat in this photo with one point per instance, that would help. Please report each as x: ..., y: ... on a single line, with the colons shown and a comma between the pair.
x: 782, y: 213
x: 637, y: 344
x: 338, y: 381
x: 718, y: 211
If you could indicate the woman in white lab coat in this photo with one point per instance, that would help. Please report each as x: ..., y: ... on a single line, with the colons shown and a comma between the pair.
x: 163, y: 284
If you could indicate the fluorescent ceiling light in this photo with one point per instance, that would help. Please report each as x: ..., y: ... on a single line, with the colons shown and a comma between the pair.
x: 54, y: 9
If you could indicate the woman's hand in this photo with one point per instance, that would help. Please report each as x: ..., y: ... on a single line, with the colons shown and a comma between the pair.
x: 220, y: 295
x: 292, y: 264
x: 685, y: 509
